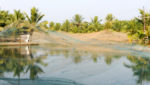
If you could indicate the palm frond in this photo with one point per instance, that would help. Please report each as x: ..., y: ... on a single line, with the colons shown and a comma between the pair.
x: 40, y: 18
x: 28, y: 17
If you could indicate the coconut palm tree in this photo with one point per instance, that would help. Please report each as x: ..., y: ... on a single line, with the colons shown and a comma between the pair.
x: 77, y: 20
x: 109, y: 17
x: 51, y: 25
x: 57, y: 26
x: 144, y: 19
x: 109, y: 21
x: 96, y: 26
x: 18, y: 15
x: 35, y: 16
x: 66, y: 26
x: 96, y: 20
x: 44, y: 24
x: 5, y: 18
x: 16, y: 19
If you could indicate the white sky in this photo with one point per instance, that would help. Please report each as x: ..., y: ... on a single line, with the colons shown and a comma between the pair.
x: 59, y: 10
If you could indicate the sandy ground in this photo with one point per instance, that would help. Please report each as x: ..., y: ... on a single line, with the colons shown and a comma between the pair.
x: 106, y: 41
x: 43, y: 38
x: 106, y: 36
x: 93, y: 42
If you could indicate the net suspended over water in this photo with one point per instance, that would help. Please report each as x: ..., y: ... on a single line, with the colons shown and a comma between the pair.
x: 43, y: 81
x: 11, y: 32
x: 15, y: 32
x: 129, y: 47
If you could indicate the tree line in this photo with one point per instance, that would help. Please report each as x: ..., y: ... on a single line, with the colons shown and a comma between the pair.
x: 137, y: 28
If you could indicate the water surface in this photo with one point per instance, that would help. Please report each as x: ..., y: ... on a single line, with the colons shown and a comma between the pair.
x: 61, y: 65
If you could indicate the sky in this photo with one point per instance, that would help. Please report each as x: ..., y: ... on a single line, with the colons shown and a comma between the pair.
x: 60, y: 10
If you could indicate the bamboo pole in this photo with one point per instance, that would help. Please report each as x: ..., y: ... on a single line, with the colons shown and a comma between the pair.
x: 144, y: 21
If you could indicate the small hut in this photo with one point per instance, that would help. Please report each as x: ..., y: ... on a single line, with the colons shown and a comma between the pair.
x: 16, y: 34
x: 25, y: 35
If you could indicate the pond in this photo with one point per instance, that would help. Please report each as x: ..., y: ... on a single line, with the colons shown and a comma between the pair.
x: 67, y: 65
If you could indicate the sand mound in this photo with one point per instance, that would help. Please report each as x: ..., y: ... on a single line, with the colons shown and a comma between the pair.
x: 106, y: 35
x: 69, y: 38
x: 104, y: 41
x: 44, y: 38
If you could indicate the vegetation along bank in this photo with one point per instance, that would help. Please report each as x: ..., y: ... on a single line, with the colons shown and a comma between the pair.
x: 137, y: 29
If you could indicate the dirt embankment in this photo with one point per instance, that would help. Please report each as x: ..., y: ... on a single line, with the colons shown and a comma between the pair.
x: 104, y: 41
x: 69, y: 38
x: 106, y: 35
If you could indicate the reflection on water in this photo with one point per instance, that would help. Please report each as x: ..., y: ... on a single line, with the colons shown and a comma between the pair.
x: 140, y: 67
x: 37, y: 65
x: 20, y: 60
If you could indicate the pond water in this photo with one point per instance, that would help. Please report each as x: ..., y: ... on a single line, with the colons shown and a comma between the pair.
x: 61, y: 65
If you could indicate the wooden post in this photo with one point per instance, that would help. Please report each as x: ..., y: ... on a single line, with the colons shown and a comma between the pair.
x: 20, y: 37
x: 144, y: 20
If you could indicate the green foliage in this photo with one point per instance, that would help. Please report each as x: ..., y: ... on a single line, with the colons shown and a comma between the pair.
x: 109, y: 18
x: 109, y: 21
x: 77, y: 25
x: 140, y: 67
x: 18, y: 15
x: 77, y: 19
x: 120, y: 26
x: 44, y: 24
x: 57, y: 26
x: 5, y: 18
x: 95, y: 25
x: 66, y: 26
x: 35, y: 16
x: 137, y: 29
x: 52, y: 24
x: 12, y: 60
